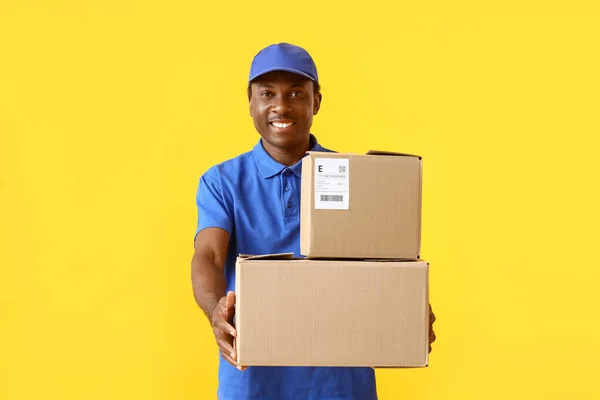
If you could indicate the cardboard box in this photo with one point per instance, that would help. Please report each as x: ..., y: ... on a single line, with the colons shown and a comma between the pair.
x: 361, y: 206
x: 302, y: 312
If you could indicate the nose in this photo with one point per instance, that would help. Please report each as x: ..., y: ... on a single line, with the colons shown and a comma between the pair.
x: 281, y: 104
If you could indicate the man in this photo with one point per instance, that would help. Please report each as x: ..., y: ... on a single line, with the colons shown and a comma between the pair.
x: 250, y: 205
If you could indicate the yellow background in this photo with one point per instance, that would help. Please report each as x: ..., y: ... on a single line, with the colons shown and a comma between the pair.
x: 111, y: 110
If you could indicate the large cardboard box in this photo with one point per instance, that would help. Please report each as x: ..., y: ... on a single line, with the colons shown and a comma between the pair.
x: 303, y: 312
x: 361, y: 205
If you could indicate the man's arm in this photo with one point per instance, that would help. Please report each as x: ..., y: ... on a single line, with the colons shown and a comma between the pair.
x: 209, y: 285
x: 208, y: 263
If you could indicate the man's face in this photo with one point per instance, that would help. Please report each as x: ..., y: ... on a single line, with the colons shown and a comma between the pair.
x: 282, y: 106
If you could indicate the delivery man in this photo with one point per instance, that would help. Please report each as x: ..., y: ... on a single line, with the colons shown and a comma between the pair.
x: 251, y: 205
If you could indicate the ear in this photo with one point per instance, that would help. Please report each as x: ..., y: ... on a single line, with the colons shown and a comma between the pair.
x: 317, y: 103
x: 250, y: 101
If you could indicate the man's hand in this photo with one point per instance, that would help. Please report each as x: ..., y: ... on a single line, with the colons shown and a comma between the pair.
x: 208, y: 282
x: 431, y: 332
x: 222, y: 320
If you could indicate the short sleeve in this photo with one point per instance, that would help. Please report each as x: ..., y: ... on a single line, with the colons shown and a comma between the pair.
x: 213, y: 211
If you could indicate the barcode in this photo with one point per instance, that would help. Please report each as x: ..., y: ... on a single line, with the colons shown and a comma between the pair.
x: 332, y: 197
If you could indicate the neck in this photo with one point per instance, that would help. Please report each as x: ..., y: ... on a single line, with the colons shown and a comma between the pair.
x: 287, y: 157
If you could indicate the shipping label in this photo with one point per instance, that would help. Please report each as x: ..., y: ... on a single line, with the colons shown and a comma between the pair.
x: 332, y: 184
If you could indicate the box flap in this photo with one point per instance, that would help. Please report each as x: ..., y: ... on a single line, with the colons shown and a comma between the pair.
x: 330, y: 154
x: 389, y: 153
x: 368, y: 153
x: 274, y: 256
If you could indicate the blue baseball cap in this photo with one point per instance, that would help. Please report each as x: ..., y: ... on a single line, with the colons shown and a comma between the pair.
x: 283, y: 57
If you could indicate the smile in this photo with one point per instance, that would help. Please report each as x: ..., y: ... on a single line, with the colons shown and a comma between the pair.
x: 282, y: 125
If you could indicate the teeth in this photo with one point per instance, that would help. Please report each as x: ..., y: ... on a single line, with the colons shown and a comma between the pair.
x: 281, y: 124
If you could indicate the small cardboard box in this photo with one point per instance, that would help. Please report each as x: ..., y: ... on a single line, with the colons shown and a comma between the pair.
x: 361, y: 205
x: 303, y: 312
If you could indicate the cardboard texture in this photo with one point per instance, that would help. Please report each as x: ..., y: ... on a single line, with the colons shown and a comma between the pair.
x: 301, y: 312
x: 361, y: 205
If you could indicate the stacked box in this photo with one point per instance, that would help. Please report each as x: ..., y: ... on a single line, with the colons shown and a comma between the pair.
x: 361, y: 206
x: 361, y: 295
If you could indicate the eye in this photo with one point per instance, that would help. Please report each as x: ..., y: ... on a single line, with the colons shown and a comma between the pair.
x: 266, y: 93
x: 296, y: 94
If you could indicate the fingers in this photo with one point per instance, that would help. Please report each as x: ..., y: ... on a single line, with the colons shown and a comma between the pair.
x: 432, y: 336
x: 224, y: 312
x: 227, y: 304
x: 224, y: 326
x: 226, y: 347
x: 432, y: 319
x: 229, y: 300
x: 225, y: 343
x: 232, y: 360
x: 224, y: 330
x: 227, y: 351
x: 229, y: 359
x: 431, y: 339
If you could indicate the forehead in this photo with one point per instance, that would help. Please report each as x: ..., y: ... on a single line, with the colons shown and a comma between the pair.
x: 282, y: 78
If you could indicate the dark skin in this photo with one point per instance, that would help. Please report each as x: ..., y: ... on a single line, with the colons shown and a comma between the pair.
x: 282, y: 106
x: 208, y: 282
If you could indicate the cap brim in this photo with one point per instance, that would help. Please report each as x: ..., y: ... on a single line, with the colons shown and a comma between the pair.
x: 295, y: 71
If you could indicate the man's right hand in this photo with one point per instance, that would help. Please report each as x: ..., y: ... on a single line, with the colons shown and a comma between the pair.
x: 222, y: 324
x: 208, y: 282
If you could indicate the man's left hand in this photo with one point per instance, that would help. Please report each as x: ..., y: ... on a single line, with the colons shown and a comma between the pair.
x: 431, y: 332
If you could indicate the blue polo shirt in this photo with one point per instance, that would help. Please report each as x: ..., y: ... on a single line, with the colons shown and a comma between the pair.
x: 257, y: 201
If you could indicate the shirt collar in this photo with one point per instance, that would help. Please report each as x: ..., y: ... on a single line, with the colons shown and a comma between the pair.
x: 268, y: 167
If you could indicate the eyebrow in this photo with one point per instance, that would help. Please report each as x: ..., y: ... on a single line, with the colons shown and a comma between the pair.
x: 270, y: 86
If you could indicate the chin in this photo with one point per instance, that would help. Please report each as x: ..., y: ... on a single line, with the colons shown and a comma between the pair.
x: 284, y: 141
